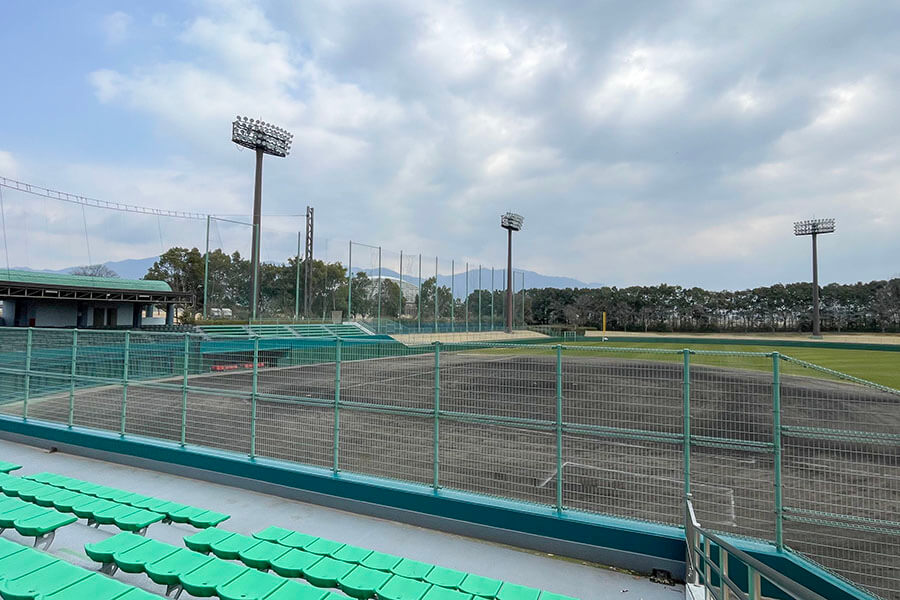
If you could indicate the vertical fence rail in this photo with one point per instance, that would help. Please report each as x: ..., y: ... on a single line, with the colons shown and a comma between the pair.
x: 776, y: 440
x: 559, y: 432
x: 254, y: 390
x: 337, y: 406
x: 125, y: 362
x: 184, y: 386
x: 28, y: 344
x: 437, y: 415
x: 686, y: 416
x: 73, y: 369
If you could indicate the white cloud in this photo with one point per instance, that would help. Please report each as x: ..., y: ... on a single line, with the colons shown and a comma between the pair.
x: 116, y: 27
x: 9, y: 167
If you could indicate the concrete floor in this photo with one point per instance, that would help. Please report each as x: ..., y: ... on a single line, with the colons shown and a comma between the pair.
x: 253, y: 511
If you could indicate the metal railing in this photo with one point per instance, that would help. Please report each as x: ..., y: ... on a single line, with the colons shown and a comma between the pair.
x: 770, y: 447
x: 703, y: 569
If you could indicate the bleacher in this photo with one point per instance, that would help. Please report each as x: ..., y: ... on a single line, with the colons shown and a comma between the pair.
x: 284, y: 330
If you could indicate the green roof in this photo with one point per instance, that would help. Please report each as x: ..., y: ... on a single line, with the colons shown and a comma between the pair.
x: 83, y: 281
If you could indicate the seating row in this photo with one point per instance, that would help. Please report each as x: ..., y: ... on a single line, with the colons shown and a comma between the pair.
x: 96, y: 510
x: 171, y: 511
x: 30, y: 520
x: 182, y: 569
x: 6, y: 467
x: 29, y: 574
x: 359, y: 572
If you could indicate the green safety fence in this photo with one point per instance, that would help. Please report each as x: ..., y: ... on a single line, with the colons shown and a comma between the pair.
x: 768, y: 446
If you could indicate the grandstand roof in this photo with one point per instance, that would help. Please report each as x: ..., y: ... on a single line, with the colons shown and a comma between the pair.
x: 82, y: 281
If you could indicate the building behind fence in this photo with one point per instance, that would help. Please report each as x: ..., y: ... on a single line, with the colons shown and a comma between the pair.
x: 769, y: 447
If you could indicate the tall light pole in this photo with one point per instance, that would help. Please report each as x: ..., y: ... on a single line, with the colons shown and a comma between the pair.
x: 264, y: 138
x: 510, y: 222
x: 813, y: 228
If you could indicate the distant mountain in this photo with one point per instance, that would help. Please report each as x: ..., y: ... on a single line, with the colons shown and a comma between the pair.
x: 132, y: 268
x: 136, y: 268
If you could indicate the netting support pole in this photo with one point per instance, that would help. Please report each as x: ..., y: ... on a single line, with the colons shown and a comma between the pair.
x: 776, y: 439
x: 419, y: 311
x: 297, y: 285
x: 452, y: 295
x: 479, y: 298
x: 400, y: 314
x: 492, y: 298
x: 254, y: 390
x: 29, y: 336
x: 467, y: 297
x: 337, y: 406
x: 350, y: 283
x: 435, y: 294
x: 437, y: 412
x: 523, y: 299
x: 559, y: 432
x: 206, y: 270
x: 184, y: 386
x: 686, y: 416
x: 380, y: 285
x: 72, y: 371
x: 125, y: 381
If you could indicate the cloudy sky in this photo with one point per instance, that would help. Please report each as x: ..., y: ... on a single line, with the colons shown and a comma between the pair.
x: 644, y: 142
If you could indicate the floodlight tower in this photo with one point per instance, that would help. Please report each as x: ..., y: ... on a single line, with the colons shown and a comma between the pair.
x: 510, y: 222
x: 813, y: 228
x: 264, y: 138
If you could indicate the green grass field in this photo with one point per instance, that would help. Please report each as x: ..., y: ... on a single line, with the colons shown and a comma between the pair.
x: 876, y: 366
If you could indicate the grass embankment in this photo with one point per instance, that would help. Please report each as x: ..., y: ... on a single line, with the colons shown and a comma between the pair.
x: 880, y: 367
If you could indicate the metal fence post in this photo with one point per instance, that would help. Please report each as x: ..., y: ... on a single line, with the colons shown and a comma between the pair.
x: 72, y: 371
x: 337, y: 403
x: 253, y: 391
x: 437, y: 413
x: 28, y: 343
x: 184, y: 386
x: 686, y: 424
x: 559, y: 430
x: 776, y: 439
x: 125, y: 363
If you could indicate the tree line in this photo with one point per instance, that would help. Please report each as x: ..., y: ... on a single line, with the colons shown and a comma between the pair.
x: 872, y: 306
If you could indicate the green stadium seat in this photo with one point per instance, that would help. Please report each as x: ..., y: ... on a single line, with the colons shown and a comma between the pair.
x: 230, y: 547
x: 294, y: 563
x: 412, y: 569
x: 250, y: 585
x: 480, y: 586
x: 552, y: 596
x: 6, y: 467
x: 402, y: 588
x: 509, y: 591
x: 29, y: 585
x: 202, y: 541
x: 362, y: 582
x: 439, y: 593
x: 447, y: 578
x: 292, y: 590
x: 31, y: 520
x: 323, y: 547
x: 262, y: 554
x: 327, y: 572
x: 380, y: 561
x: 102, y: 552
x: 204, y: 580
x: 134, y: 559
x: 167, y: 571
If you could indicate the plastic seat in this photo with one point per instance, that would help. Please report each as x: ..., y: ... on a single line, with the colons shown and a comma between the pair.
x: 134, y: 559
x: 380, y: 561
x: 96, y: 587
x: 362, y: 582
x: 351, y: 554
x: 323, y: 547
x: 480, y: 586
x: 292, y: 590
x: 204, y: 580
x: 102, y: 552
x: 202, y: 541
x: 50, y: 578
x: 262, y: 554
x: 230, y: 547
x: 440, y: 593
x: 168, y: 570
x: 6, y: 467
x: 294, y: 563
x: 510, y: 591
x: 402, y: 588
x: 412, y: 569
x: 250, y: 585
x: 552, y: 596
x: 327, y: 572
x: 447, y: 578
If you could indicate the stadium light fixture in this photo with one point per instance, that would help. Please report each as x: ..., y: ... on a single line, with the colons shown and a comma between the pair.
x: 510, y: 222
x: 264, y: 138
x: 812, y: 228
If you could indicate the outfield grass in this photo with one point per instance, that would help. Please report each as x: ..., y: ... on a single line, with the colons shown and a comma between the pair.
x: 876, y: 366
